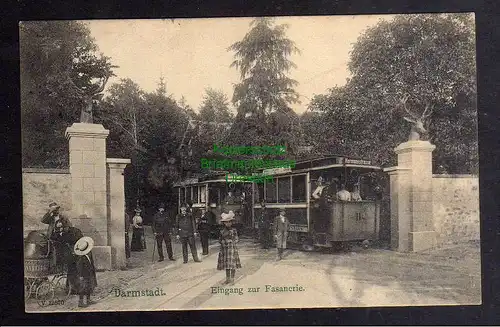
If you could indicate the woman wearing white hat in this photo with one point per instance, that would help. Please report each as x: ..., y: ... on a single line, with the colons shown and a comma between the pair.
x: 138, y: 243
x: 229, y: 258
x: 85, y: 268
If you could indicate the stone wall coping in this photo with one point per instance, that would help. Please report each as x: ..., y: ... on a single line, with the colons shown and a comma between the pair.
x: 45, y: 171
x: 454, y: 176
x: 395, y: 169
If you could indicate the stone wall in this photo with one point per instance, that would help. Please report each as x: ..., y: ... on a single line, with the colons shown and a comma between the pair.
x: 456, y: 208
x: 40, y: 188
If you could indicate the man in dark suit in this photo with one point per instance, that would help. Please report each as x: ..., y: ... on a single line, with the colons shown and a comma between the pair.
x: 162, y: 227
x: 185, y: 228
x: 57, y: 223
x: 204, y: 230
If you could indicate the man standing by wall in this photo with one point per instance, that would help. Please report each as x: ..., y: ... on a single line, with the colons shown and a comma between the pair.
x: 185, y: 227
x: 162, y: 226
x: 57, y: 223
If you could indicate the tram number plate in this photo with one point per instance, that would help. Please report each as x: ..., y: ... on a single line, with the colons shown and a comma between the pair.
x: 297, y: 228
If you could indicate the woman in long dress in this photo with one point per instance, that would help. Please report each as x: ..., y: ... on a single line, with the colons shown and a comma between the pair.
x: 229, y: 259
x: 138, y: 244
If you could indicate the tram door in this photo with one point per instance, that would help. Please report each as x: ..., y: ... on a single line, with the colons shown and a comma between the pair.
x: 321, y: 221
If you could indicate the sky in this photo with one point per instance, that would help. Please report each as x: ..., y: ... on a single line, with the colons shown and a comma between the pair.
x: 191, y: 54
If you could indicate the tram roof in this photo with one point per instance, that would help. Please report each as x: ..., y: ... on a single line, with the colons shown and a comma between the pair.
x: 301, y: 166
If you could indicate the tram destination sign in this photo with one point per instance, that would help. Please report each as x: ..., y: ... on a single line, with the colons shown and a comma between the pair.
x: 357, y: 161
x: 297, y: 228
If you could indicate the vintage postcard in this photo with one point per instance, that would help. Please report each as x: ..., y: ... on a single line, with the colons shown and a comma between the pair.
x: 250, y: 163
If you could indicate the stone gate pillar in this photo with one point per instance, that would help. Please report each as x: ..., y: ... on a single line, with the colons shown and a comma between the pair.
x: 411, y: 197
x: 116, y: 211
x: 87, y: 166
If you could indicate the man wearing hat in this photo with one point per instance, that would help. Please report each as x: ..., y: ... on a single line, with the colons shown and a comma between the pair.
x: 281, y: 232
x: 57, y: 223
x: 185, y: 230
x: 162, y: 226
x: 87, y: 279
x: 204, y: 230
x: 55, y: 220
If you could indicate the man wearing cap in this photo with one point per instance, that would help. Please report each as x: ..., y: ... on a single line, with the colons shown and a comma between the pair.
x: 57, y: 223
x: 281, y: 232
x: 162, y: 226
x: 55, y: 220
x: 85, y: 267
x: 185, y: 229
x: 204, y: 230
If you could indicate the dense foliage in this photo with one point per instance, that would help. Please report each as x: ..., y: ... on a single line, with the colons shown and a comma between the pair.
x: 429, y: 59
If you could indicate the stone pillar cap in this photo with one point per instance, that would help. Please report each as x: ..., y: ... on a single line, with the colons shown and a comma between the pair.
x: 86, y: 130
x: 423, y: 146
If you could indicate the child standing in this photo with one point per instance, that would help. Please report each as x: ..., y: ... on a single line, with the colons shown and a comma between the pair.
x: 229, y: 259
x: 87, y: 279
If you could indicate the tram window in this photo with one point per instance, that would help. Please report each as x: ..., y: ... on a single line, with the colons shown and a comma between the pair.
x: 299, y: 188
x: 284, y: 190
x: 271, y: 192
x: 258, y: 192
x: 213, y: 196
x: 188, y: 194
x: 183, y: 195
x: 203, y: 194
x: 195, y: 194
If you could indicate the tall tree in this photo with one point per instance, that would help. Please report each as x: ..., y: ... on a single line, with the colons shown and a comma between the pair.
x: 428, y: 59
x: 55, y: 57
x: 262, y: 58
x: 215, y: 107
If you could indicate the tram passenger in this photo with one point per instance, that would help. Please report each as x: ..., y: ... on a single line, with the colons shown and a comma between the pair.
x: 343, y: 194
x: 355, y: 195
x: 319, y: 188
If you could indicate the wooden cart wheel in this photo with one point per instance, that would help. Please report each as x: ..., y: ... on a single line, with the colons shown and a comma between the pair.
x: 45, y: 291
x: 60, y: 287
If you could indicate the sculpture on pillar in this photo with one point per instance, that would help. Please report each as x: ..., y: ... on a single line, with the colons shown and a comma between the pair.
x: 88, y: 96
x: 417, y: 128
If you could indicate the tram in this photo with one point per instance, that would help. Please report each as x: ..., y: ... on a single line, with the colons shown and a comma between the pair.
x: 215, y: 195
x: 311, y: 193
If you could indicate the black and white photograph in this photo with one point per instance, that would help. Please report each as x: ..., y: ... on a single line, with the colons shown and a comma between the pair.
x: 250, y: 163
